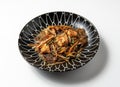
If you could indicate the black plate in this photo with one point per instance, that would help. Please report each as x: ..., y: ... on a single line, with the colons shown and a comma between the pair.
x: 33, y: 28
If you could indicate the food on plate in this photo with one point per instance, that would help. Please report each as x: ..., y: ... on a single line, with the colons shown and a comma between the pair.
x: 60, y: 43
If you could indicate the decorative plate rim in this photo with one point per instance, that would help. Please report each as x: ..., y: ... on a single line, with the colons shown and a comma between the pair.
x: 69, y: 13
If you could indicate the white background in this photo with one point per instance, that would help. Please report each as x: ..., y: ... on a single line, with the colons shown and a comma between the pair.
x: 102, y: 71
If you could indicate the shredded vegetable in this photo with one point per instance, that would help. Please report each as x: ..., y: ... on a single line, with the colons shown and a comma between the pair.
x: 58, y: 44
